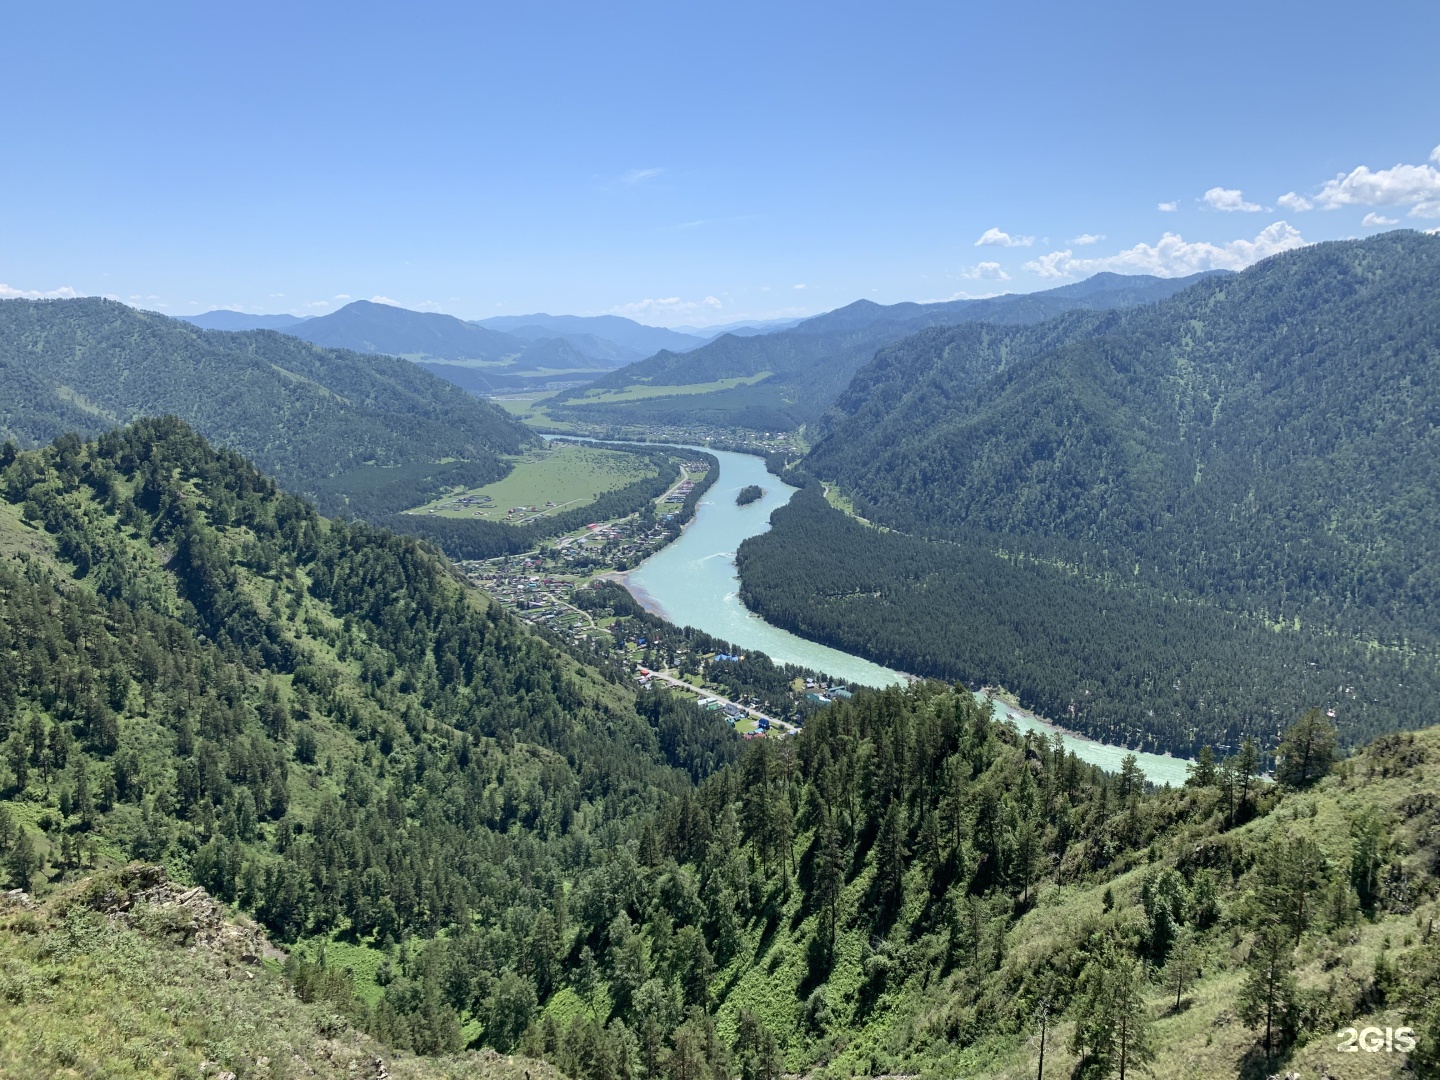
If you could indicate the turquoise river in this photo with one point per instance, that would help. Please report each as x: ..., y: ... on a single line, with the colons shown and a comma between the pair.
x: 692, y: 582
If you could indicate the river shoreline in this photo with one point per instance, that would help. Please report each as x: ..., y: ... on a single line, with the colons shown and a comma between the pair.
x: 692, y: 581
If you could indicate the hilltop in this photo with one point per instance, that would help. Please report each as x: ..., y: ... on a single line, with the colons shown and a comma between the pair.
x: 97, y: 974
x: 478, y: 356
x: 363, y: 434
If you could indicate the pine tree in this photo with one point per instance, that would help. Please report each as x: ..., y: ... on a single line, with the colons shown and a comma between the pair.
x: 1307, y: 750
x: 1182, y: 967
x: 1268, y: 994
x: 890, y: 856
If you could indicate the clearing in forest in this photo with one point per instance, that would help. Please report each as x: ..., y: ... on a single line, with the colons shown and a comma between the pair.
x: 543, y: 482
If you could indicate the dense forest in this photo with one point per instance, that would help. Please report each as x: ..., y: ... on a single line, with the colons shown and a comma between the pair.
x: 465, y: 835
x: 810, y: 364
x: 1115, y: 661
x: 362, y: 435
x: 1266, y: 440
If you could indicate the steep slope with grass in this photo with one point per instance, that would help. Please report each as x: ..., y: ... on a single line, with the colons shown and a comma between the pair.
x: 126, y: 975
x: 317, y: 721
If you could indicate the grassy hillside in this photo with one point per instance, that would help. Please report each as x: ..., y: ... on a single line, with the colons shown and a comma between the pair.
x: 123, y: 974
x: 361, y: 434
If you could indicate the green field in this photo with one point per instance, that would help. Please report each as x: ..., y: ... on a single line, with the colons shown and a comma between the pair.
x: 547, y: 480
x: 640, y: 391
x: 530, y: 409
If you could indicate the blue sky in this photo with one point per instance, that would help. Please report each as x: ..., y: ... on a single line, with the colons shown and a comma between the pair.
x: 693, y: 163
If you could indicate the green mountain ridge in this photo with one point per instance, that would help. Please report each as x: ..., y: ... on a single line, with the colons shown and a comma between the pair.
x: 1163, y: 527
x: 1267, y: 438
x: 336, y: 425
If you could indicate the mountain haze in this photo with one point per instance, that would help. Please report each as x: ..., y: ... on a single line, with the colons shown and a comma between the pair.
x: 363, y: 326
x: 240, y: 320
x: 626, y: 333
x: 807, y: 367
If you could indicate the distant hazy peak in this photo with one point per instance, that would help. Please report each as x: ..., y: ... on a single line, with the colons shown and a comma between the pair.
x: 225, y: 319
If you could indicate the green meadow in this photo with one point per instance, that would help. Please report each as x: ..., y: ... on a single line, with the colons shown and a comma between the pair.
x: 640, y: 391
x: 553, y: 479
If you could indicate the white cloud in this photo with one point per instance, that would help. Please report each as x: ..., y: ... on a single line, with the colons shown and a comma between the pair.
x: 996, y: 238
x: 667, y: 308
x: 1231, y: 200
x: 337, y: 296
x: 1087, y: 238
x: 1415, y: 186
x: 384, y: 300
x: 1168, y: 207
x: 797, y: 286
x: 1297, y: 203
x: 65, y: 292
x: 986, y: 271
x: 1373, y: 219
x: 1173, y: 256
x: 639, y: 176
x: 962, y: 295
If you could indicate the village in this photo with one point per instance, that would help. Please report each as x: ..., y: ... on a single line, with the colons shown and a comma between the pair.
x: 550, y: 587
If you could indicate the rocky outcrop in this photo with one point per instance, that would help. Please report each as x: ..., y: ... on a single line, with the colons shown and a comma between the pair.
x: 142, y: 896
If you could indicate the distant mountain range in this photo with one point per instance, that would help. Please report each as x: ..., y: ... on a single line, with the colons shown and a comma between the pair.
x: 806, y: 367
x: 501, y: 354
x: 362, y: 434
x: 242, y: 320
x: 750, y: 328
x: 636, y: 338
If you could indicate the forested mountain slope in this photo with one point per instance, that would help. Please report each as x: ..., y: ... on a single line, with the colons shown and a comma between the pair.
x: 342, y: 427
x: 317, y: 721
x: 810, y: 364
x: 1269, y: 440
x: 493, y: 844
x: 1129, y: 665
